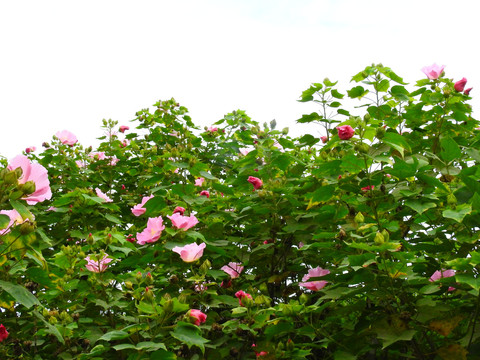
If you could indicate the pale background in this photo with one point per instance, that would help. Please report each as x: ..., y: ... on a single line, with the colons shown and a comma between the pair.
x: 69, y: 64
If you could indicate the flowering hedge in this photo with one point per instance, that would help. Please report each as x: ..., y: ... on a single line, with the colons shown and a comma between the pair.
x: 240, y: 242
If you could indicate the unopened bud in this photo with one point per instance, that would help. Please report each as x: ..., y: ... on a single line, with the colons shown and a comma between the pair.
x: 285, y: 131
x: 11, y: 177
x: 359, y: 218
x: 27, y: 227
x: 149, y: 279
x: 380, y: 133
x: 129, y: 285
x: 386, y: 235
x: 138, y: 277
x: 379, y: 238
x: 451, y: 199
x: 303, y: 299
x: 247, y: 302
x: 90, y: 239
x: 148, y: 295
x: 28, y: 187
x: 168, y: 306
x: 290, y: 345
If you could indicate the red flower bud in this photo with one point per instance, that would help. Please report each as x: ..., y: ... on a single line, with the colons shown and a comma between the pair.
x: 460, y: 85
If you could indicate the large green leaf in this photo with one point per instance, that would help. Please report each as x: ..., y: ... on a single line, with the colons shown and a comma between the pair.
x: 189, y: 334
x: 459, y: 213
x: 20, y: 294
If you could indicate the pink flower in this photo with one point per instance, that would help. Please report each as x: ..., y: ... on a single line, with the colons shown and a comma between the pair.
x: 100, y: 194
x: 179, y: 209
x: 324, y: 139
x: 205, y: 193
x: 3, y: 333
x: 30, y: 149
x: 241, y: 295
x: 152, y: 232
x: 80, y: 163
x: 437, y: 275
x: 66, y: 137
x: 460, y: 85
x: 367, y: 188
x: 244, y: 151
x: 199, y: 317
x: 212, y: 129
x: 32, y: 172
x: 97, y: 265
x: 345, y: 132
x: 138, y: 209
x: 233, y: 269
x: 113, y: 161
x: 183, y: 222
x: 434, y: 71
x: 174, y: 133
x: 190, y: 252
x: 15, y: 219
x: 199, y: 181
x: 256, y: 182
x: 315, y: 285
x: 123, y: 128
x: 467, y: 91
x: 97, y: 155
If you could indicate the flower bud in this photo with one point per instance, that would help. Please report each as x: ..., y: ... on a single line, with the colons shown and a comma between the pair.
x: 148, y: 295
x: 380, y: 133
x: 52, y: 320
x: 379, y: 238
x: 138, y: 277
x: 28, y: 187
x: 359, y: 218
x: 386, y: 235
x: 168, y: 306
x: 290, y: 345
x: 27, y: 227
x: 247, y: 302
x: 285, y: 131
x: 303, y: 298
x: 11, y: 177
x: 129, y: 285
x: 90, y: 239
x: 451, y: 199
x: 149, y: 279
x: 205, y: 266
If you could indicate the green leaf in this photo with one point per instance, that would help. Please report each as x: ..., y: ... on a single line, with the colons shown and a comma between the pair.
x: 397, y: 141
x: 357, y: 92
x: 20, y: 294
x: 399, y: 93
x: 207, y: 175
x: 189, y: 334
x: 150, y: 346
x: 336, y: 94
x: 323, y: 193
x: 451, y: 150
x: 4, y: 221
x: 469, y: 280
x: 115, y: 335
x: 124, y: 347
x: 307, y: 95
x: 309, y: 118
x: 51, y: 328
x: 22, y: 210
x: 418, y: 206
x: 459, y: 213
x: 113, y: 219
x: 382, y: 86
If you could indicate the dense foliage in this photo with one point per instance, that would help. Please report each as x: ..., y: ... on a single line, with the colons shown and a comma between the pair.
x: 240, y: 242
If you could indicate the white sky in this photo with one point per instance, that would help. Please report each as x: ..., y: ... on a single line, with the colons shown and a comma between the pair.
x: 69, y: 64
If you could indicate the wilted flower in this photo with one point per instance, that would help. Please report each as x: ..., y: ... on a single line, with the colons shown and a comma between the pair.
x: 179, y: 209
x: 199, y: 181
x: 434, y: 71
x: 123, y: 128
x: 256, y: 182
x: 97, y: 265
x: 35, y: 173
x: 190, y: 252
x: 30, y: 149
x: 345, y: 132
x: 183, y: 222
x: 152, y: 232
x: 3, y: 333
x: 324, y: 139
x: 205, y: 193
x: 241, y: 295
x: 367, y: 188
x: 198, y: 316
x: 460, y: 85
x: 467, y: 91
x: 315, y: 285
x: 102, y: 195
x: 233, y: 269
x: 66, y: 137
x: 138, y: 209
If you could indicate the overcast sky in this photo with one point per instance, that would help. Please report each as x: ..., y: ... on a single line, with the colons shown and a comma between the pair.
x: 69, y: 64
